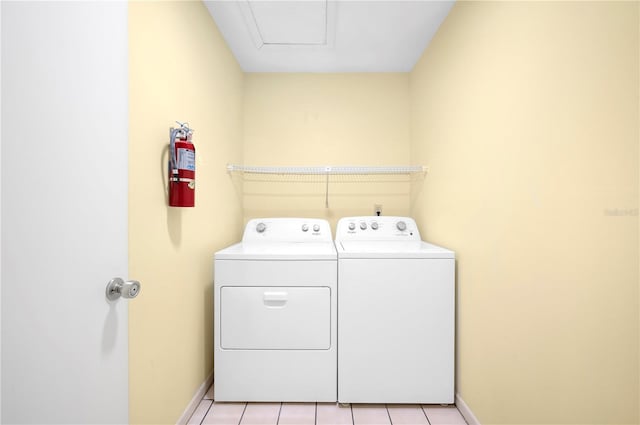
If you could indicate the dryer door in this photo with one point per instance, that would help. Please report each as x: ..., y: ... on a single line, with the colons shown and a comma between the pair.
x: 275, y: 318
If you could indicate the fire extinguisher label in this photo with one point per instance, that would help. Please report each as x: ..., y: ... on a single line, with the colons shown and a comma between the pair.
x: 186, y: 159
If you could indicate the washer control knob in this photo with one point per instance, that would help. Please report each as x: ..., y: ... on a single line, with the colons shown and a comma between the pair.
x: 363, y: 225
x: 352, y: 226
x: 316, y: 227
x: 401, y: 225
x: 374, y: 225
x: 305, y: 227
x: 261, y: 227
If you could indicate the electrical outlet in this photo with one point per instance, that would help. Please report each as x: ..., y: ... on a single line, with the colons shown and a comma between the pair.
x: 377, y: 209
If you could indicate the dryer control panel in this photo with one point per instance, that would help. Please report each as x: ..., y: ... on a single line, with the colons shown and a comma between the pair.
x: 377, y: 228
x: 287, y: 230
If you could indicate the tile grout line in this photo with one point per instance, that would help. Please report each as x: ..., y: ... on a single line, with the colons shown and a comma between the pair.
x: 242, y: 416
x: 207, y: 412
x: 279, y: 411
x: 425, y: 413
x: 386, y: 407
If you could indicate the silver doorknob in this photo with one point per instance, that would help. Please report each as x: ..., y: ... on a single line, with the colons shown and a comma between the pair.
x: 117, y: 288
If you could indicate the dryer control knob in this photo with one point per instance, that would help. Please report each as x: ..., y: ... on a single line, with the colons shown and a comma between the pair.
x: 261, y: 227
x: 401, y: 225
x: 374, y: 225
x: 316, y: 228
x: 352, y: 226
x: 363, y: 225
x: 305, y: 227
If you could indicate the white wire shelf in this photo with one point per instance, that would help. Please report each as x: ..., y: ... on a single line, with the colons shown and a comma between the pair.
x: 329, y: 170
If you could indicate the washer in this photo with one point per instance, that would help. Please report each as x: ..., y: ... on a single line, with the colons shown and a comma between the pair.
x: 275, y: 313
x: 396, y: 307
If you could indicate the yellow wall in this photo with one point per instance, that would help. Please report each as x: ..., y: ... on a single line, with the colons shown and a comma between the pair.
x: 325, y: 119
x: 527, y: 114
x: 180, y: 69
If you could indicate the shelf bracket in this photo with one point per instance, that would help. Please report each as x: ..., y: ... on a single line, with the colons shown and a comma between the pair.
x: 326, y: 188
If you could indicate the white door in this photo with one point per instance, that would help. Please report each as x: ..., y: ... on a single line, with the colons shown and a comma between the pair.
x: 64, y: 212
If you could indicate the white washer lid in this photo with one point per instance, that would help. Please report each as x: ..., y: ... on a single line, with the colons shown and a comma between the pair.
x: 391, y: 249
x: 278, y: 251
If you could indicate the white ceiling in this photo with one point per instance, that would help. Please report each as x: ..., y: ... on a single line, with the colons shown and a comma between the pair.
x: 328, y: 36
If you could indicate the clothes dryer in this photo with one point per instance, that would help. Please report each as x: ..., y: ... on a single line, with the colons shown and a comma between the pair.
x: 275, y: 313
x: 396, y: 312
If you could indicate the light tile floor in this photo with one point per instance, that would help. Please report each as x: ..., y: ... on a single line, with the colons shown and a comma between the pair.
x: 209, y: 412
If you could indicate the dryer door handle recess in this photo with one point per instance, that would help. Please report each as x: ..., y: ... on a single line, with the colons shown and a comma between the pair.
x: 275, y: 299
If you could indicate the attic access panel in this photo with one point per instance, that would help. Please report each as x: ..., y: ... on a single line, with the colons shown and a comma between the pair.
x: 287, y: 22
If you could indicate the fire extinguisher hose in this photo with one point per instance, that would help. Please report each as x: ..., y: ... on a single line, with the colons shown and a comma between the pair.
x: 172, y: 153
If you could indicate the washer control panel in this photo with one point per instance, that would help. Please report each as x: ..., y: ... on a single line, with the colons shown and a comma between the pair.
x: 381, y: 228
x: 287, y: 230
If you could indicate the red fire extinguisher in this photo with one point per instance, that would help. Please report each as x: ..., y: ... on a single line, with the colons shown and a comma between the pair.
x: 182, y: 167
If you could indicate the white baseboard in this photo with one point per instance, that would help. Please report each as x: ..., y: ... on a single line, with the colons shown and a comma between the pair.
x: 466, y: 413
x: 197, y: 398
